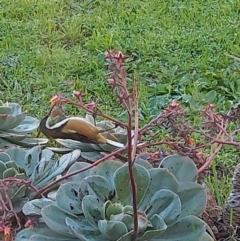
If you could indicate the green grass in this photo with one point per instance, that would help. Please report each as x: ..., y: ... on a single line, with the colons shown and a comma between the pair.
x: 176, y: 50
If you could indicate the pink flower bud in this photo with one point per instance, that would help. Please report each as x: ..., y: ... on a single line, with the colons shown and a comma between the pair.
x: 110, y: 82
x: 77, y: 94
x: 92, y: 105
x: 174, y: 104
x: 56, y: 99
x: 120, y: 55
x: 199, y: 155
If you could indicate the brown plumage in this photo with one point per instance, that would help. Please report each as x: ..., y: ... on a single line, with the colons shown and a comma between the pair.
x: 74, y: 128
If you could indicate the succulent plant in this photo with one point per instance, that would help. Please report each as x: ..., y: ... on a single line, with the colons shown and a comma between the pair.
x: 93, y: 152
x: 96, y: 205
x: 15, y: 126
x: 34, y: 165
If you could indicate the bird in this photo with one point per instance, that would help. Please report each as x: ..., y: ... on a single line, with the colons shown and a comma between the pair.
x: 73, y: 128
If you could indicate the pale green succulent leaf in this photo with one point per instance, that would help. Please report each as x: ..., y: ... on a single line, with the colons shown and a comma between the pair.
x: 182, y: 167
x: 8, y: 121
x: 5, y: 110
x: 2, y: 169
x: 95, y: 185
x: 10, y: 172
x: 74, y: 145
x: 20, y: 193
x: 92, y: 209
x: 160, y: 178
x: 55, y: 218
x: 91, y: 156
x: 190, y: 194
x: 34, y: 206
x: 31, y: 160
x: 11, y: 137
x: 4, y: 157
x: 28, y: 125
x: 143, y: 163
x: 158, y: 227
x: 31, y: 142
x: 60, y: 166
x: 15, y: 108
x: 188, y: 228
x: 68, y: 199
x: 12, y: 164
x: 122, y: 183
x: 113, y: 230
x: 127, y: 220
x: 126, y: 237
x: 110, y: 208
x: 166, y: 204
x: 14, y: 122
x: 40, y: 234
x: 47, y: 154
x: 18, y: 155
x: 206, y: 237
x: 84, y: 231
x: 60, y: 150
x: 107, y: 169
x: 80, y: 176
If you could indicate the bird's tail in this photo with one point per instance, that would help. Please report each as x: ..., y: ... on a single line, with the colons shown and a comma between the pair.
x: 114, y: 143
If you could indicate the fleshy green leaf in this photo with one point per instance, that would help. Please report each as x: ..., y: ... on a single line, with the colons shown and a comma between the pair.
x: 122, y: 180
x: 112, y: 229
x: 193, y: 198
x: 67, y: 198
x: 159, y: 227
x: 188, y: 228
x: 55, y: 218
x: 160, y: 178
x: 92, y: 209
x: 80, y: 176
x: 95, y: 185
x: 165, y: 203
x: 182, y: 167
x: 107, y: 169
x: 34, y: 206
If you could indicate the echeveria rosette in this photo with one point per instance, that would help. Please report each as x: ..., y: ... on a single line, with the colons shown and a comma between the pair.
x: 34, y: 165
x: 96, y: 205
x: 15, y: 126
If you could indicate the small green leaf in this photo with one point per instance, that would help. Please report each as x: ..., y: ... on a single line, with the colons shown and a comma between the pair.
x: 210, y: 96
x: 10, y: 172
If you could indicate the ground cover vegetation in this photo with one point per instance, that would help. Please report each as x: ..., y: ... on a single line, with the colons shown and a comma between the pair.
x: 183, y: 69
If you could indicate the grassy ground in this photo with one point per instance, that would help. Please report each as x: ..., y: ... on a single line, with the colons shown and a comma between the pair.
x: 176, y: 50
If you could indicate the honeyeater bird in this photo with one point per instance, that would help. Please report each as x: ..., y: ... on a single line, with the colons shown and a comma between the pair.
x: 73, y: 128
